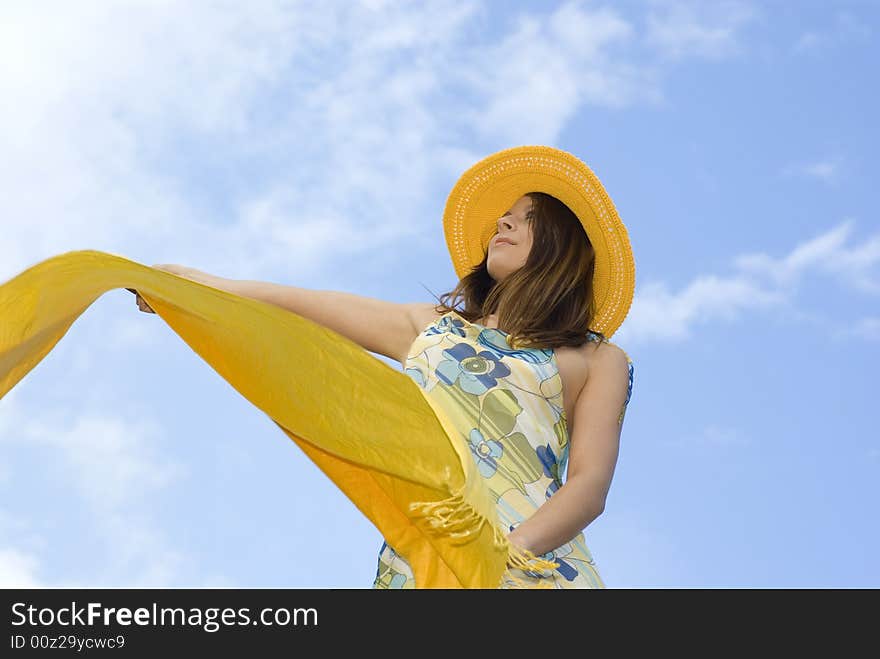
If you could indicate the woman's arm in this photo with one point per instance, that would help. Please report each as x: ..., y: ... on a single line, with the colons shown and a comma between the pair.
x: 386, y: 328
x: 593, y: 452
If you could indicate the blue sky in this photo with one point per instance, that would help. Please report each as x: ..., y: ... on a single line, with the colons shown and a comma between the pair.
x: 315, y: 144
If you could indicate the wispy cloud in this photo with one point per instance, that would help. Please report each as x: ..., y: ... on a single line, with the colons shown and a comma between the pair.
x: 866, y: 328
x: 688, y: 28
x: 109, y: 466
x: 827, y: 170
x: 854, y: 266
x: 711, y: 436
x: 132, y: 149
x: 18, y: 569
x: 248, y: 139
x: 539, y: 74
x: 846, y: 29
x: 760, y: 282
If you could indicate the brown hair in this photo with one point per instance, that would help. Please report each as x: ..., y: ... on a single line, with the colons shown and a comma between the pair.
x: 547, y: 302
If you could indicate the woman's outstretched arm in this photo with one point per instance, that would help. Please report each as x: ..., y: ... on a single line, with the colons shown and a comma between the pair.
x: 386, y: 328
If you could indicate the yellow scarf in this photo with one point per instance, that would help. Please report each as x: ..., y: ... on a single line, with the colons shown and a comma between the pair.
x: 369, y: 427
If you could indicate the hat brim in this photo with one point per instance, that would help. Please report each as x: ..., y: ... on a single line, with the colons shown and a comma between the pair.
x: 492, y: 185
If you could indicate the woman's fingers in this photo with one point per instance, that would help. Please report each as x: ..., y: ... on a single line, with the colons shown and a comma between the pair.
x: 142, y: 304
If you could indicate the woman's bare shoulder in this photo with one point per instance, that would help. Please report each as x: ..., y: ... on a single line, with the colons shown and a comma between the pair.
x: 595, y: 357
x: 611, y: 347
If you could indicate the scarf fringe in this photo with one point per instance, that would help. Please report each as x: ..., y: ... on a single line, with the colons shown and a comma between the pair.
x: 519, y: 558
x: 455, y: 517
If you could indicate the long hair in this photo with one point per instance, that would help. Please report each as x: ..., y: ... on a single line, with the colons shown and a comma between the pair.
x: 547, y: 303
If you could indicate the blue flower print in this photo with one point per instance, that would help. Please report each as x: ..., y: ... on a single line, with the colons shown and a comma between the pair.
x: 564, y: 568
x: 551, y: 468
x: 474, y: 373
x: 416, y: 375
x: 486, y: 452
x: 452, y: 325
x: 496, y: 341
x: 548, y: 459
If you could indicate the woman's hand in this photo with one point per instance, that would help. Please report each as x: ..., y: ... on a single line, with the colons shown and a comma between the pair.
x: 142, y: 304
x: 516, y: 540
x: 173, y: 268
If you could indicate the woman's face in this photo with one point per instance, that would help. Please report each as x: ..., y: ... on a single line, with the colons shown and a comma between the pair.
x: 504, y: 257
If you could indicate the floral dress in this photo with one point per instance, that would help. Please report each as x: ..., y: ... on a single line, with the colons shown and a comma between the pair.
x: 508, y: 404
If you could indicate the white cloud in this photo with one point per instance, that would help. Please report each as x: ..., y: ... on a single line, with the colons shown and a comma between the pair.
x: 135, y: 330
x: 659, y: 313
x: 18, y: 569
x: 112, y: 469
x: 221, y: 136
x: 827, y: 170
x: 711, y: 436
x: 99, y: 90
x: 539, y: 74
x: 761, y: 282
x: 687, y: 28
x: 241, y: 139
x: 826, y: 253
x: 110, y: 461
x: 866, y: 328
x: 846, y: 29
x: 823, y: 170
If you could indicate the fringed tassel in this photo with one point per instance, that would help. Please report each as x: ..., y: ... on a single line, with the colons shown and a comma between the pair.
x: 519, y: 558
x: 523, y: 559
x: 452, y: 516
x: 455, y: 517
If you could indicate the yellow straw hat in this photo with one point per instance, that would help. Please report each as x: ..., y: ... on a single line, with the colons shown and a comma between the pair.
x: 491, y: 186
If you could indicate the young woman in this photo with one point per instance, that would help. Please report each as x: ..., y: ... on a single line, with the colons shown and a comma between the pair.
x: 524, y: 372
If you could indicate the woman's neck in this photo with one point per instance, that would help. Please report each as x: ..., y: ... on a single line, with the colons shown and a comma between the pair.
x: 489, y: 321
